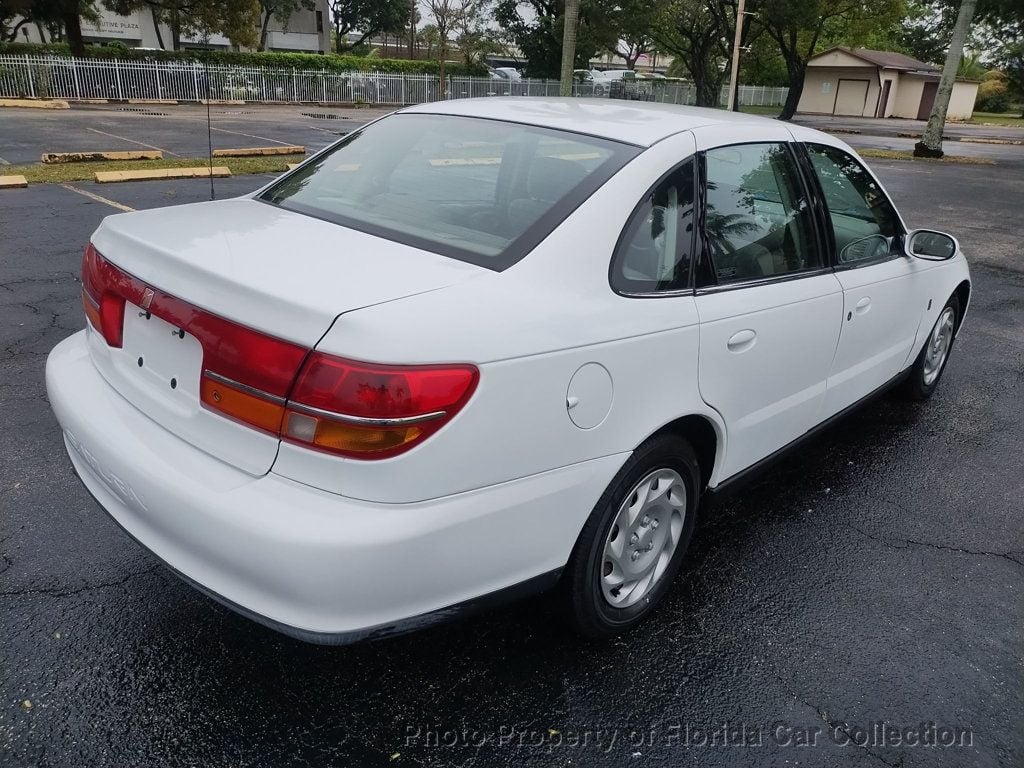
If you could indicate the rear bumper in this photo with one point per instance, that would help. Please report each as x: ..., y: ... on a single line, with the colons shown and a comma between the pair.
x: 315, y: 565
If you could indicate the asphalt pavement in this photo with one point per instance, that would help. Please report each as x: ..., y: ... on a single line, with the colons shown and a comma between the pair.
x: 870, y: 582
x: 178, y: 130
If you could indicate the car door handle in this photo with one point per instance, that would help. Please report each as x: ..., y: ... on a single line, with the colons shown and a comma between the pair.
x: 741, y: 341
x: 863, y: 305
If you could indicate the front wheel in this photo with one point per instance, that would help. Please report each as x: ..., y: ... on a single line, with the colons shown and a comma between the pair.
x: 634, y: 541
x: 931, y: 362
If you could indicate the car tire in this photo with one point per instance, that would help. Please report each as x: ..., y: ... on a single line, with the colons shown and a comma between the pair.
x: 658, y: 527
x: 931, y: 361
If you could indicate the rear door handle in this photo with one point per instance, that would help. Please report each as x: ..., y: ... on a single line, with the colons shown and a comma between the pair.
x: 863, y: 305
x: 741, y: 341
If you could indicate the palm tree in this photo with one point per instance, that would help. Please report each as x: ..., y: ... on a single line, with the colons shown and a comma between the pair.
x: 930, y: 144
x: 572, y: 14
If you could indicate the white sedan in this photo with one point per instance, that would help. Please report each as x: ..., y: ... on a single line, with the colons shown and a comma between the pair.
x: 481, y: 348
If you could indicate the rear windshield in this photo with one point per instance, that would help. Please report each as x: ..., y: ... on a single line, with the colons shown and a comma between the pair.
x: 477, y: 190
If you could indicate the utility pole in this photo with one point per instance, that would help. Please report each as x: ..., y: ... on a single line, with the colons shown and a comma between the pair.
x: 572, y: 15
x: 736, y: 42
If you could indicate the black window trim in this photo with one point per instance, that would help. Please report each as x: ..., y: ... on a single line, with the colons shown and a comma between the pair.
x: 694, y: 241
x: 825, y: 268
x: 897, y: 251
x: 622, y: 153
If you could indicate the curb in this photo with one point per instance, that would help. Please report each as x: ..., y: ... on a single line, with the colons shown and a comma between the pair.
x: 84, y: 157
x: 35, y: 103
x: 13, y: 182
x: 983, y: 140
x: 108, y: 177
x: 260, y: 151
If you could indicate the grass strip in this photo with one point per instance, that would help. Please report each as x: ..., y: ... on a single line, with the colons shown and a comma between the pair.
x: 902, y: 154
x: 38, y: 173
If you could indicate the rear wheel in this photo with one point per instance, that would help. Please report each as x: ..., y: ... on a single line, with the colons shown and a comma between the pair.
x: 635, y: 539
x: 931, y: 362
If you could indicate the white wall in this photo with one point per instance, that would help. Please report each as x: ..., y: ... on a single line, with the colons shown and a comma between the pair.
x: 908, y: 98
x: 961, y: 101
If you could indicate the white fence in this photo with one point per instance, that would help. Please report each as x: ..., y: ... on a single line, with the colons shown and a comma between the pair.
x: 69, y: 78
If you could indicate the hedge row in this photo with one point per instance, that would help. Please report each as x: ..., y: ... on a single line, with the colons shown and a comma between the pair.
x: 239, y: 59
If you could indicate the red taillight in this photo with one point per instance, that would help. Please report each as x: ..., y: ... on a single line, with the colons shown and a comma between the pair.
x: 338, y: 406
x: 101, y: 299
x: 373, y: 411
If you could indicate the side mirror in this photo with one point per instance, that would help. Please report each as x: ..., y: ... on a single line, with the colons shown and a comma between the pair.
x: 931, y: 245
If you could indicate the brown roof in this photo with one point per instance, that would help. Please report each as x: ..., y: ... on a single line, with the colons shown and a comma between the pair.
x: 886, y: 59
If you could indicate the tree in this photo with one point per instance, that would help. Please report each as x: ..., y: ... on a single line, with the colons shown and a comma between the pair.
x: 429, y: 37
x: 538, y: 32
x: 930, y: 144
x: 447, y: 15
x: 798, y: 29
x: 634, y: 21
x: 14, y: 14
x: 55, y: 15
x: 572, y: 16
x: 281, y: 10
x: 693, y: 32
x: 366, y: 18
x: 237, y: 20
x: 472, y: 35
x: 1011, y: 59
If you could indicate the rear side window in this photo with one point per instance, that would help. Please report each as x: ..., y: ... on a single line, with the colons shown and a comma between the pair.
x: 758, y: 221
x: 863, y: 219
x: 654, y: 251
x: 481, y: 191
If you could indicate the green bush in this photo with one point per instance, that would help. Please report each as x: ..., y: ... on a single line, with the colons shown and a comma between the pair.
x: 333, y: 62
x: 993, y: 96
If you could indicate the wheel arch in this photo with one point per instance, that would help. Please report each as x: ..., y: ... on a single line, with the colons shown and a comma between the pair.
x: 963, y: 295
x: 707, y: 437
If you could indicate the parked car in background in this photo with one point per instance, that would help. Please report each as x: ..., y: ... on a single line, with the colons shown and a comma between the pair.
x: 593, y: 81
x: 484, y: 347
x: 507, y: 73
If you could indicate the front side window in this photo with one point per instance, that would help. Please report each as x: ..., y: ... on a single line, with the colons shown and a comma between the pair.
x: 477, y: 190
x: 758, y: 222
x: 863, y: 219
x: 654, y: 251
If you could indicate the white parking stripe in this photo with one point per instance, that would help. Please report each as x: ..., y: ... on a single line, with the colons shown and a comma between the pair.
x: 98, y: 199
x: 132, y: 141
x: 4, y: 162
x: 250, y: 136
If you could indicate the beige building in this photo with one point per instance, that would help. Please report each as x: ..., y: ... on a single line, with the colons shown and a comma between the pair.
x: 862, y: 83
x: 307, y: 31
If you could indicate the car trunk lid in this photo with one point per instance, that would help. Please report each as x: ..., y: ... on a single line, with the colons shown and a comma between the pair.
x: 238, y: 291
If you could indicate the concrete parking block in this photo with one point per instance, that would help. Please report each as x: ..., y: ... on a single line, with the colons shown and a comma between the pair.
x: 260, y: 151
x: 107, y: 177
x: 82, y: 157
x: 13, y: 182
x: 35, y: 103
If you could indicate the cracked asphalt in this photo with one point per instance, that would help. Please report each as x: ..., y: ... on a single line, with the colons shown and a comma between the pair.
x: 872, y: 580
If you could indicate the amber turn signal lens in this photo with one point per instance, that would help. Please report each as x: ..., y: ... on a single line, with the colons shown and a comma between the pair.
x: 242, y: 406
x: 351, y: 439
x: 92, y: 311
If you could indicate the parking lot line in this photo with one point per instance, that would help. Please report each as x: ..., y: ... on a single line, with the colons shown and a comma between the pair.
x: 251, y: 136
x: 132, y: 141
x: 98, y: 198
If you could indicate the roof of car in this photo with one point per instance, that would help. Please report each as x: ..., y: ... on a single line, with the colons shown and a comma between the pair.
x: 636, y: 122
